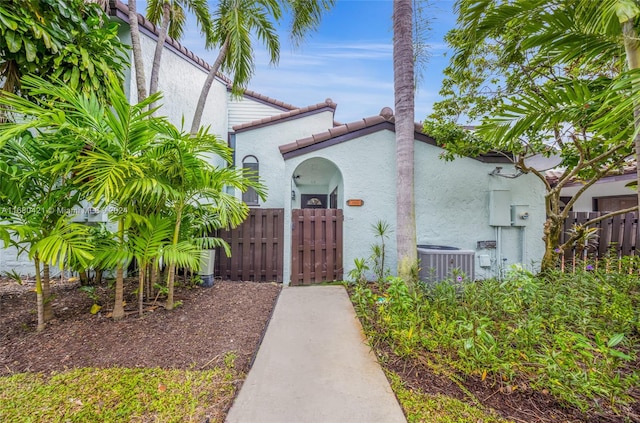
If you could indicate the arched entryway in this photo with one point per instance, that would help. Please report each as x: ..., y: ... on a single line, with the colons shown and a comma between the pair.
x: 316, y: 246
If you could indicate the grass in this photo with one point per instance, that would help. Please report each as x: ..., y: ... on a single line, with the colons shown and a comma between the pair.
x: 575, y: 336
x: 117, y: 395
x: 425, y: 408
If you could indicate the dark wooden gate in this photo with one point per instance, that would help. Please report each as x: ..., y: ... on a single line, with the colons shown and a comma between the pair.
x: 256, y: 248
x: 316, y: 246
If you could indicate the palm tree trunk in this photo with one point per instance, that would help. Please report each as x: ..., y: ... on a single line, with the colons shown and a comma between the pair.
x: 172, y: 266
x: 157, y: 57
x: 202, y: 101
x: 141, y: 290
x: 632, y: 50
x: 118, y: 306
x: 84, y: 277
x: 403, y: 81
x: 39, y: 296
x: 153, y: 278
x: 46, y: 293
x: 137, y: 51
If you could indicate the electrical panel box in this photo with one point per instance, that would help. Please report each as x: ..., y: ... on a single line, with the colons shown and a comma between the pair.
x: 500, y: 208
x: 519, y: 215
x: 484, y: 260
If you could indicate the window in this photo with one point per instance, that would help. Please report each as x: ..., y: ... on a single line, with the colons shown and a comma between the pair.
x: 251, y: 168
x: 313, y: 201
x: 614, y: 203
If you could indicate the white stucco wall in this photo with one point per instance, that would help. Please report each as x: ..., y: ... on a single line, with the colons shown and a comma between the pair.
x: 263, y: 143
x: 452, y: 202
x: 180, y: 82
x: 452, y: 208
x: 10, y: 261
x: 603, y: 188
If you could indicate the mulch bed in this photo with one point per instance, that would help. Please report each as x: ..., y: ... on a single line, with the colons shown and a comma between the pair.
x: 521, y: 405
x: 211, y: 322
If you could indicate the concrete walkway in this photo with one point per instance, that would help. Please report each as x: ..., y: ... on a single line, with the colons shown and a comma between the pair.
x: 314, y: 366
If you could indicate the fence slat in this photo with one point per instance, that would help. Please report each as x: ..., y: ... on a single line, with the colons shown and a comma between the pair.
x: 256, y: 248
x: 620, y: 232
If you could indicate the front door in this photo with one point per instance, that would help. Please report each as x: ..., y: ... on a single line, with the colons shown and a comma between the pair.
x: 316, y: 246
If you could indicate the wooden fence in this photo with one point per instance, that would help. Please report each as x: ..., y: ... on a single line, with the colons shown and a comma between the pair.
x: 616, y: 236
x: 256, y: 248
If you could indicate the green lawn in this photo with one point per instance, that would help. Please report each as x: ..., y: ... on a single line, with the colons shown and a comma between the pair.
x: 117, y: 395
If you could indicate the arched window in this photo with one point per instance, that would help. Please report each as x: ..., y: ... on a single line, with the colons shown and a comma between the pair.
x: 252, y: 169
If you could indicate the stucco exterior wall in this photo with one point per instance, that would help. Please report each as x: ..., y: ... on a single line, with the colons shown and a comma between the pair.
x: 453, y: 208
x: 180, y: 82
x: 10, y: 261
x: 603, y: 188
x: 263, y: 143
x: 452, y: 202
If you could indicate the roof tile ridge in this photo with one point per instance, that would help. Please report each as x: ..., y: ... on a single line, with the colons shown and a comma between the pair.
x: 284, y: 115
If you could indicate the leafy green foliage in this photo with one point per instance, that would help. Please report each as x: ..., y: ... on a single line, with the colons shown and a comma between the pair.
x: 381, y: 230
x: 72, y: 41
x: 573, y: 335
x: 543, y: 78
x: 153, y: 179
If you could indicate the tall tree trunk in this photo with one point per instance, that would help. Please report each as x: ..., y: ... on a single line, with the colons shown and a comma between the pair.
x: 551, y: 237
x: 404, y: 85
x: 46, y: 293
x: 172, y: 265
x: 84, y: 277
x: 157, y: 57
x: 39, y: 296
x: 118, y: 306
x: 141, y: 290
x: 632, y: 50
x: 202, y: 101
x: 153, y: 278
x: 136, y: 48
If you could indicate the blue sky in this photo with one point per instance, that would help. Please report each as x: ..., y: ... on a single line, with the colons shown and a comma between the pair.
x: 349, y: 59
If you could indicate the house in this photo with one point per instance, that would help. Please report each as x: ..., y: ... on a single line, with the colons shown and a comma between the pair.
x: 307, y: 161
x: 333, y: 181
x: 611, y: 193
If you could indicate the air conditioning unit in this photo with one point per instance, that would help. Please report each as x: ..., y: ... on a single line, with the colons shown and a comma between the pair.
x: 439, y: 262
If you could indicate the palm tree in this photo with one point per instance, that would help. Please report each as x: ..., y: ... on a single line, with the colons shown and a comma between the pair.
x: 114, y: 172
x: 234, y: 23
x: 403, y: 71
x: 136, y: 49
x: 150, y: 241
x: 36, y: 201
x: 196, y: 184
x: 170, y: 15
x: 101, y: 148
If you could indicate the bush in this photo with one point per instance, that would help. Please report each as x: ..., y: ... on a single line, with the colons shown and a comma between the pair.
x: 573, y: 335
